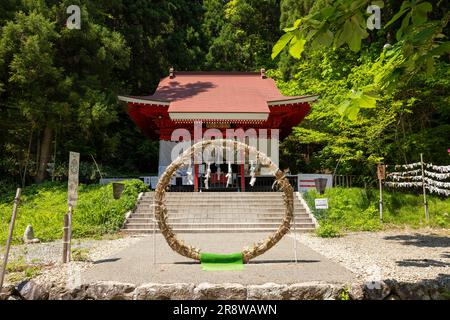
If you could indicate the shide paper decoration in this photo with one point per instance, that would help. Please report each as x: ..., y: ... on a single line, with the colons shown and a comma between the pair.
x: 412, y: 178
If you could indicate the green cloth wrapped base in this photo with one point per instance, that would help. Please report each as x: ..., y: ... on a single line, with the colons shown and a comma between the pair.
x: 221, y: 262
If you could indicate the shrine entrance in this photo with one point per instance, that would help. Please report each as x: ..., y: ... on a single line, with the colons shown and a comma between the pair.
x: 207, y: 105
x: 219, y: 181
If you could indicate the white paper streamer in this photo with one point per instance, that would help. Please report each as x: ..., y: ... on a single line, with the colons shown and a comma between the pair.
x: 439, y: 176
x: 439, y: 184
x: 403, y: 178
x: 434, y: 181
x: 403, y: 184
x: 438, y: 191
x: 438, y: 168
x: 407, y: 166
x: 404, y: 173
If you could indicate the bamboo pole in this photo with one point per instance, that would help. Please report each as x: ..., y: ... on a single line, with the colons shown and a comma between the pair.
x: 295, y: 239
x: 381, y: 200
x: 96, y: 165
x: 69, y: 245
x: 67, y: 235
x: 11, y: 229
x: 425, y: 202
x: 381, y: 174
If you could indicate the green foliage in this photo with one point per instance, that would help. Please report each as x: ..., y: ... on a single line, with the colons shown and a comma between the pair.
x: 419, y: 42
x: 355, y: 209
x: 43, y: 206
x: 327, y: 230
x: 245, y: 30
x: 395, y: 132
x: 19, y: 270
x: 344, y: 294
x: 445, y: 295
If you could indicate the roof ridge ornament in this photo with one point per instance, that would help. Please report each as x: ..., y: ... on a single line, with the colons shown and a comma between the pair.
x: 171, y: 73
x: 263, y: 73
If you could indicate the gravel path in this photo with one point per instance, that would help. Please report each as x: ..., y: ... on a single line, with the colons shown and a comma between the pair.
x: 48, y: 257
x: 406, y: 255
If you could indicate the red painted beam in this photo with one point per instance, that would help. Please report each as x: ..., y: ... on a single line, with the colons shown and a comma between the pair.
x: 195, y: 177
x: 242, y: 178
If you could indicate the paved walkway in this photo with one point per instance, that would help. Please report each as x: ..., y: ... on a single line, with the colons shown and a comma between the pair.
x: 134, y: 264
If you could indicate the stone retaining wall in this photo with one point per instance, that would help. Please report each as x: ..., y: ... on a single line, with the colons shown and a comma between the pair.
x: 389, y: 290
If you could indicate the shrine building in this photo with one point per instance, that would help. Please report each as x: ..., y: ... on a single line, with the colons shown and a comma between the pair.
x: 220, y: 101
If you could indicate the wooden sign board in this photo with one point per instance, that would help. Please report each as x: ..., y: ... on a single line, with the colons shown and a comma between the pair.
x: 381, y: 171
x: 74, y: 170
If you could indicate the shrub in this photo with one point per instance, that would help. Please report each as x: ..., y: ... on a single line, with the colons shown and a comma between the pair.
x: 43, y: 206
x: 356, y: 209
x: 327, y: 230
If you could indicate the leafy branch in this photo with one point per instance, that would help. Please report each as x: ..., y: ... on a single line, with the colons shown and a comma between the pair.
x: 419, y: 43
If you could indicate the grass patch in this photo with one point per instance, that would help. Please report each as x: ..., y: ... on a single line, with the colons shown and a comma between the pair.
x: 43, y: 206
x: 356, y: 209
x: 19, y: 270
x: 80, y: 254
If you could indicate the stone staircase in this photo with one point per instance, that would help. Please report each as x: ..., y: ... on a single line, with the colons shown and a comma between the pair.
x: 209, y: 212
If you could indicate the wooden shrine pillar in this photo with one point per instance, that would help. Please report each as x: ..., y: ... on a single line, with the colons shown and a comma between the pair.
x: 242, y: 178
x: 195, y: 177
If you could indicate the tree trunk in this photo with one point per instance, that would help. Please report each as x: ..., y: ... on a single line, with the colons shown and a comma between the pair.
x: 44, y: 154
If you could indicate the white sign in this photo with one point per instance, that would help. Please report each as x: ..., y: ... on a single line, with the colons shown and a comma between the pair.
x: 74, y: 168
x: 321, y: 203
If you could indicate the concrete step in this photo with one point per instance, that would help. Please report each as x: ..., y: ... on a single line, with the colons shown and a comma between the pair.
x: 262, y: 203
x: 199, y: 230
x: 221, y: 212
x: 218, y: 212
x: 219, y: 219
x: 219, y: 225
x: 257, y: 208
x: 216, y: 194
x: 211, y: 199
x: 278, y: 215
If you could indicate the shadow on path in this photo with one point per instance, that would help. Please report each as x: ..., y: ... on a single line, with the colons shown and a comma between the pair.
x: 106, y: 260
x: 422, y: 263
x: 421, y: 240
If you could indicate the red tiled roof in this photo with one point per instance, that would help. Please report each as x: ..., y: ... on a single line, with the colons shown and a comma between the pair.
x: 217, y: 92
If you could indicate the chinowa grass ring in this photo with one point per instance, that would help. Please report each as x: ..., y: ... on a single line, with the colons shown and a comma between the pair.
x: 247, y: 253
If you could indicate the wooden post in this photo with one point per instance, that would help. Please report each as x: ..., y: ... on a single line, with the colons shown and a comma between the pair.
x: 8, y: 242
x: 425, y: 202
x: 65, y: 255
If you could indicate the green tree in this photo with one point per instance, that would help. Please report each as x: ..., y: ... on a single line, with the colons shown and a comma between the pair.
x: 246, y: 34
x: 419, y: 42
x: 56, y: 76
